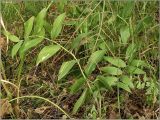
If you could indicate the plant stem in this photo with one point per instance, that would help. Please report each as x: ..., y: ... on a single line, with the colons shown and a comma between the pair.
x: 20, y: 68
x: 5, y: 81
x: 19, y: 76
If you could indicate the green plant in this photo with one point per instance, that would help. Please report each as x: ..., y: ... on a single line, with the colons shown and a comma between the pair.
x: 106, y: 50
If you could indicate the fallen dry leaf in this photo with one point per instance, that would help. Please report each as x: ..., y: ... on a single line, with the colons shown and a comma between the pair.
x: 5, y: 108
x: 41, y: 110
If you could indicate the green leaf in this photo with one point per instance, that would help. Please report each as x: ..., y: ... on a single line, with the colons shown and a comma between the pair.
x: 11, y: 37
x: 28, y: 25
x: 98, y: 85
x: 108, y: 81
x: 108, y: 46
x: 145, y: 22
x: 65, y: 68
x: 123, y: 86
x: 94, y: 59
x: 115, y: 61
x: 31, y: 43
x: 138, y: 63
x: 128, y: 8
x: 77, y: 85
x: 94, y: 19
x: 128, y: 81
x: 134, y: 70
x: 16, y: 48
x: 80, y: 101
x: 28, y: 45
x: 39, y: 21
x: 130, y: 51
x: 125, y: 34
x: 57, y: 26
x: 111, y: 70
x: 61, y: 4
x: 84, y: 26
x: 76, y: 42
x: 47, y: 26
x: 47, y: 52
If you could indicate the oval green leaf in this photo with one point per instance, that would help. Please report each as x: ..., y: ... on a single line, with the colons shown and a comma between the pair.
x: 77, y: 85
x: 47, y: 52
x: 39, y: 20
x: 134, y: 70
x: 28, y: 25
x: 116, y: 61
x: 138, y: 63
x: 108, y: 81
x: 16, y: 48
x: 125, y: 34
x: 76, y: 42
x: 80, y: 101
x: 111, y: 70
x: 11, y: 37
x: 123, y: 86
x: 127, y: 80
x: 132, y: 48
x: 65, y: 68
x: 57, y: 26
x: 94, y: 59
